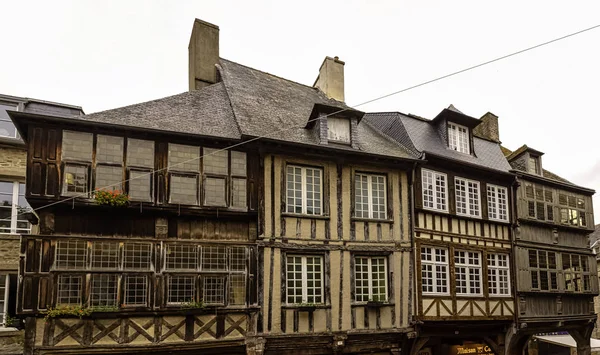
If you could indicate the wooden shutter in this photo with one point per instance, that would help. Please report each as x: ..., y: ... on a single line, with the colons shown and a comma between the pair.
x: 593, y: 273
x: 522, y: 272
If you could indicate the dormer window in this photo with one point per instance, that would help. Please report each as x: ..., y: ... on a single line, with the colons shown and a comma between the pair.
x: 534, y: 165
x: 458, y: 138
x: 338, y: 130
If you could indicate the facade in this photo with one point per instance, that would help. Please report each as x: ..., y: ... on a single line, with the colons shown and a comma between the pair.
x: 557, y: 276
x: 462, y: 231
x: 14, y: 216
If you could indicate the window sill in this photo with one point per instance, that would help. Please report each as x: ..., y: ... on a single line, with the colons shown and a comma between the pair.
x: 436, y: 210
x: 306, y: 308
x: 306, y: 216
x: 373, y: 220
x: 372, y: 304
x: 423, y: 294
x: 468, y: 296
x: 500, y: 296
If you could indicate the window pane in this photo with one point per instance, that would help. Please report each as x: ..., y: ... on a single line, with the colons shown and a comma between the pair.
x: 313, y: 188
x: 104, y: 290
x: 140, y: 183
x: 69, y: 290
x: 214, y: 258
x: 237, y: 259
x: 427, y: 183
x: 71, y: 254
x: 214, y: 192
x: 105, y: 255
x: 77, y: 146
x: 237, y: 289
x: 214, y: 290
x: 181, y: 289
x: 7, y: 129
x: 109, y: 149
x: 361, y: 196
x: 215, y: 161
x: 183, y: 190
x: 238, y: 163
x: 109, y: 178
x: 182, y: 257
x: 76, y: 180
x: 184, y: 157
x: 238, y: 193
x: 140, y: 153
x: 294, y: 189
x: 136, y: 290
x: 137, y: 256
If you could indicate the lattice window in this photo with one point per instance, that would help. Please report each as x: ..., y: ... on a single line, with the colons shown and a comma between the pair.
x: 181, y: 289
x: 498, y: 274
x: 109, y: 149
x: 105, y: 255
x: 104, y: 290
x: 183, y: 189
x: 76, y: 180
x: 109, y: 178
x: 71, y: 254
x: 304, y: 279
x: 304, y: 190
x: 238, y: 163
x: 215, y: 161
x: 77, y: 146
x: 468, y: 272
x: 237, y: 289
x: 458, y: 138
x: 214, y: 258
x: 140, y: 153
x: 182, y: 257
x: 136, y: 290
x: 140, y: 185
x: 370, y: 279
x: 370, y: 196
x: 576, y: 272
x: 184, y: 158
x: 238, y: 193
x: 213, y: 290
x: 434, y: 270
x: 434, y: 190
x: 497, y: 203
x: 543, y: 268
x: 69, y: 290
x: 237, y: 258
x: 137, y: 256
x: 467, y: 197
x: 214, y: 191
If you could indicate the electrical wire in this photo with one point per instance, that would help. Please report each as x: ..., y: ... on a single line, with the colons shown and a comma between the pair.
x: 512, y: 54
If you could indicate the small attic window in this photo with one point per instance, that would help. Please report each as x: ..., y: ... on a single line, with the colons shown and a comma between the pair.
x: 458, y: 138
x: 534, y: 165
x: 338, y: 130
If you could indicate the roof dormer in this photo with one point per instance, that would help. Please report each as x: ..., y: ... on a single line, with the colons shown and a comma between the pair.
x: 527, y: 159
x: 333, y: 125
x: 456, y: 129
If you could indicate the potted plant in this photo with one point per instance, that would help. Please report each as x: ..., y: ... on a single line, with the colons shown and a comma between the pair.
x: 376, y: 301
x: 115, y: 198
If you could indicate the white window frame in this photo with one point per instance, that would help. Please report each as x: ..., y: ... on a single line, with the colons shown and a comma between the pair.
x: 496, y: 203
x: 304, y: 272
x: 458, y: 138
x: 495, y: 269
x: 14, y: 211
x: 16, y: 108
x: 434, y: 265
x: 369, y: 280
x: 370, y: 194
x: 468, y: 201
x: 4, y: 310
x: 469, y: 265
x: 437, y: 200
x: 303, y: 190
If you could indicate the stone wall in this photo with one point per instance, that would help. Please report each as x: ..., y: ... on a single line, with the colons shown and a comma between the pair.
x: 9, y: 252
x: 13, y: 162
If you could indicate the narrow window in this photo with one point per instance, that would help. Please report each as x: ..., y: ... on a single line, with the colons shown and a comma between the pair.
x: 140, y: 162
x: 182, y: 289
x: 434, y: 189
x: 4, y: 288
x: 458, y: 138
x: 184, y: 167
x: 468, y: 272
x: 237, y: 289
x: 77, y: 158
x: 467, y: 197
x: 213, y: 290
x: 104, y: 290
x: 109, y: 163
x: 434, y: 270
x: 7, y: 128
x: 534, y: 165
x: 136, y: 290
x: 370, y: 196
x: 497, y: 203
x: 304, y: 279
x: 370, y: 278
x: 304, y: 190
x: 12, y: 207
x: 498, y: 274
x: 69, y: 290
x: 216, y: 169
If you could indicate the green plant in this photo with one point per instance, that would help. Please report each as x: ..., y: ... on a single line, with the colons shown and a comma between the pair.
x: 9, y: 321
x: 113, y: 198
x: 377, y: 298
x: 191, y: 304
x: 77, y: 311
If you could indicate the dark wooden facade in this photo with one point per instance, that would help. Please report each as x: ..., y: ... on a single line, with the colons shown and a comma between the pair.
x: 557, y: 275
x: 142, y: 269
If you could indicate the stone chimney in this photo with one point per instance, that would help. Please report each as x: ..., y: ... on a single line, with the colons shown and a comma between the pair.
x: 203, y: 54
x: 488, y: 128
x: 331, y: 78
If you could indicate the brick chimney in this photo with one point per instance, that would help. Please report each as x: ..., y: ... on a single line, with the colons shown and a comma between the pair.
x: 203, y: 54
x: 331, y: 78
x: 488, y: 128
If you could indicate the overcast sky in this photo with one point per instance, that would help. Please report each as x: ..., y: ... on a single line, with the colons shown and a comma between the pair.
x: 107, y: 54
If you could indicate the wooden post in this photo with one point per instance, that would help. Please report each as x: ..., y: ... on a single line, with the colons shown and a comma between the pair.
x: 29, y: 341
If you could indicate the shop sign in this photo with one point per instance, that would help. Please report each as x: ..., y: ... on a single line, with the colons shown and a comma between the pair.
x: 471, y: 349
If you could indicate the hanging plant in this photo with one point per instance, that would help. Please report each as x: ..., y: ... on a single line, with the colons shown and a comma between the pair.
x: 114, y: 198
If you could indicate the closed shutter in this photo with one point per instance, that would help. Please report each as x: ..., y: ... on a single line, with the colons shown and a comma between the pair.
x: 593, y: 274
x: 523, y: 274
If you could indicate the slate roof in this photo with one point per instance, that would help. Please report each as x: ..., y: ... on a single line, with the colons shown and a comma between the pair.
x: 205, y: 112
x: 516, y: 165
x: 246, y: 103
x: 419, y: 134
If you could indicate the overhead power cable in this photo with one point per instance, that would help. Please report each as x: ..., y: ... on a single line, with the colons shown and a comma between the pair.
x: 278, y: 131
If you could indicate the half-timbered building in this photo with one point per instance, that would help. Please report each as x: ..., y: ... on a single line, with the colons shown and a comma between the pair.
x: 461, y: 230
x: 556, y: 278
